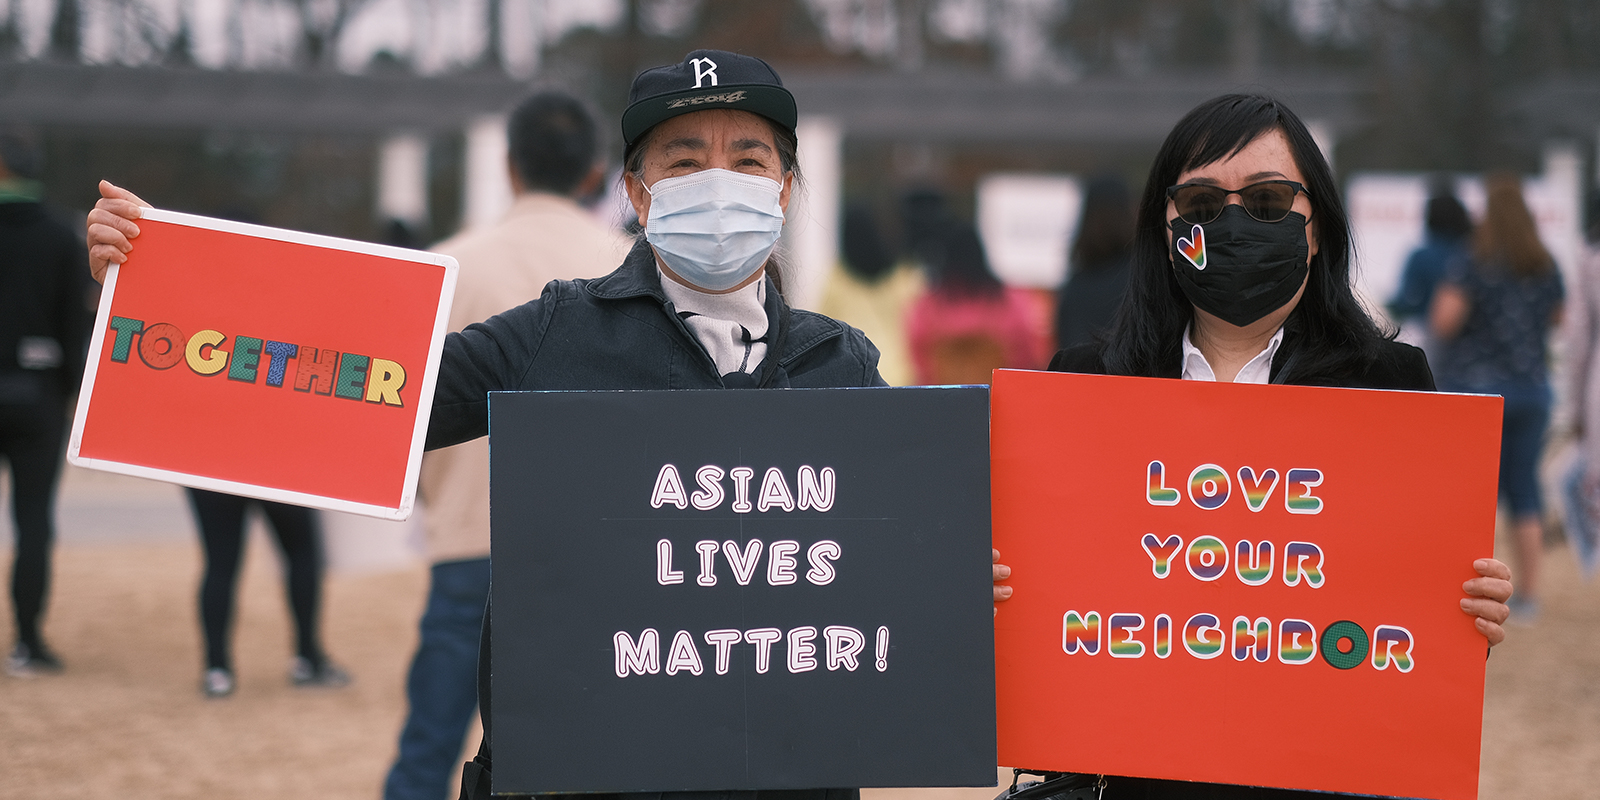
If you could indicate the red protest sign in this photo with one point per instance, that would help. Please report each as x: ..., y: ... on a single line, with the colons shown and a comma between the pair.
x: 1241, y: 584
x: 267, y: 363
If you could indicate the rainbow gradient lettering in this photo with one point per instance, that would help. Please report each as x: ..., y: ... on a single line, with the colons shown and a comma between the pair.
x: 1246, y: 641
x: 1253, y: 565
x: 1119, y: 638
x: 1161, y: 552
x: 1297, y: 641
x: 1386, y: 639
x: 1080, y: 633
x: 1257, y: 489
x: 1156, y: 489
x: 1196, y: 640
x: 1297, y: 491
x: 1295, y: 558
x: 1163, y: 637
x: 1207, y: 558
x: 1209, y: 487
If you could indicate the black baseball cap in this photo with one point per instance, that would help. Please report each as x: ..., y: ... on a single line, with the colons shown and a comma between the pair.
x: 706, y: 79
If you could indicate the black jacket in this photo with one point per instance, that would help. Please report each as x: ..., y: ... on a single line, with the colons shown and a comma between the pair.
x: 45, y: 314
x: 620, y: 332
x: 1398, y: 366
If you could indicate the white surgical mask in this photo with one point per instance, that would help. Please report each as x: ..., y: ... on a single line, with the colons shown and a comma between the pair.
x: 714, y: 228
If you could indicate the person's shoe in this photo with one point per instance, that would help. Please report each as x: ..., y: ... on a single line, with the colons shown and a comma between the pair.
x: 306, y: 674
x: 217, y: 683
x: 27, y: 662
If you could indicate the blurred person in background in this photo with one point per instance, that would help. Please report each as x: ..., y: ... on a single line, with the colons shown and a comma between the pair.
x: 967, y: 324
x: 1491, y: 316
x: 924, y: 222
x: 1581, y: 358
x: 545, y: 236
x: 45, y: 316
x: 1446, y: 230
x: 221, y: 519
x: 869, y: 290
x: 1098, y: 263
x: 1273, y: 304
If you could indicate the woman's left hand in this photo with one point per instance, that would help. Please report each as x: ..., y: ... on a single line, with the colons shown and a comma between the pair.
x: 1487, y: 596
x: 1001, y: 572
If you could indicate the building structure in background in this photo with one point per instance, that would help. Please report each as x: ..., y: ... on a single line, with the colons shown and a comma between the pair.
x: 340, y: 116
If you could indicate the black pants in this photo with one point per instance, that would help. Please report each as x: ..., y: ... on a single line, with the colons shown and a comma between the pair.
x: 222, y: 518
x: 30, y: 439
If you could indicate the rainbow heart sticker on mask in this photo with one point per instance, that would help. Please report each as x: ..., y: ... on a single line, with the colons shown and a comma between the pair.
x: 1194, y: 249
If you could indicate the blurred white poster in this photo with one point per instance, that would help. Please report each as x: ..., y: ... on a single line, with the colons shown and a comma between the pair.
x: 1027, y: 222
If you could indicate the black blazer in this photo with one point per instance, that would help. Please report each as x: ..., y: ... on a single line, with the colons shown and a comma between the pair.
x: 1398, y: 366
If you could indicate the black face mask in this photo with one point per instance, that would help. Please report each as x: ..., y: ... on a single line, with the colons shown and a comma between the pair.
x: 1238, y: 268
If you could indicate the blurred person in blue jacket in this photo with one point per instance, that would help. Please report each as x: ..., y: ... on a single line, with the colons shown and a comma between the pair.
x: 1446, y: 230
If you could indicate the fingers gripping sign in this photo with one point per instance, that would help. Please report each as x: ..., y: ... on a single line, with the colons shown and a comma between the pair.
x: 111, y: 228
x: 1487, y: 596
x: 1001, y: 573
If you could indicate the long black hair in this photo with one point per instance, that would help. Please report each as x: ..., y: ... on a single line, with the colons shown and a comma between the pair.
x: 1331, y: 331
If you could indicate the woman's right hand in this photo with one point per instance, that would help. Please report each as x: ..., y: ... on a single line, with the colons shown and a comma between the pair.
x: 111, y: 228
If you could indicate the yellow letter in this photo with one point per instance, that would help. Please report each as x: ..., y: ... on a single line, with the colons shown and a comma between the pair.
x: 206, y: 365
x: 384, y: 382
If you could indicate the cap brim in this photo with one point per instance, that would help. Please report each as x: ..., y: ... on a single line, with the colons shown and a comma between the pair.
x: 773, y: 102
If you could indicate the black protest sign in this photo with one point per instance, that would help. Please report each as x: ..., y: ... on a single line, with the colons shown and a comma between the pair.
x: 719, y: 590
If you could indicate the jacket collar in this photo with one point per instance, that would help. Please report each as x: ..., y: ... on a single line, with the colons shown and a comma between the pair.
x: 637, y: 277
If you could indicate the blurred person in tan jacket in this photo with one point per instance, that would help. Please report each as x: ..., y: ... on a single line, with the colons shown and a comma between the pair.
x: 545, y: 236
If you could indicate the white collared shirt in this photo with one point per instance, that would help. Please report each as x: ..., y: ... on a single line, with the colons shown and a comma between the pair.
x: 1258, y: 370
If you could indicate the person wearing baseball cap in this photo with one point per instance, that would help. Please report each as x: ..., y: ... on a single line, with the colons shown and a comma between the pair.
x: 710, y: 166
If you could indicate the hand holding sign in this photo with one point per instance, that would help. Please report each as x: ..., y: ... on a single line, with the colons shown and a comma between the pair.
x: 1489, y: 594
x: 110, y: 228
x: 1001, y: 572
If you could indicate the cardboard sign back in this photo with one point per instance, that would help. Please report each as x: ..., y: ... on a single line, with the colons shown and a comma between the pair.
x: 1218, y: 664
x: 203, y: 368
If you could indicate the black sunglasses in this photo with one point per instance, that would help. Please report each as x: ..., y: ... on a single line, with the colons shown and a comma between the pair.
x: 1267, y: 201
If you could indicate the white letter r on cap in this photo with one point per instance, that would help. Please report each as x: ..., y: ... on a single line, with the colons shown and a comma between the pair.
x: 710, y: 71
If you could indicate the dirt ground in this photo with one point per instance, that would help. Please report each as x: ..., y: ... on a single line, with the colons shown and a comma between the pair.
x: 127, y: 720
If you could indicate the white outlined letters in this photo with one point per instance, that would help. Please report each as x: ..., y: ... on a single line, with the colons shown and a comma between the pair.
x: 763, y: 638
x: 821, y: 557
x: 710, y: 495
x: 781, y: 563
x: 844, y: 644
x: 665, y: 574
x: 641, y: 658
x: 802, y: 653
x: 669, y: 488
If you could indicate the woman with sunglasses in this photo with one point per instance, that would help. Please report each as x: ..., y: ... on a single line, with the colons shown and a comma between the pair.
x: 1241, y: 273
